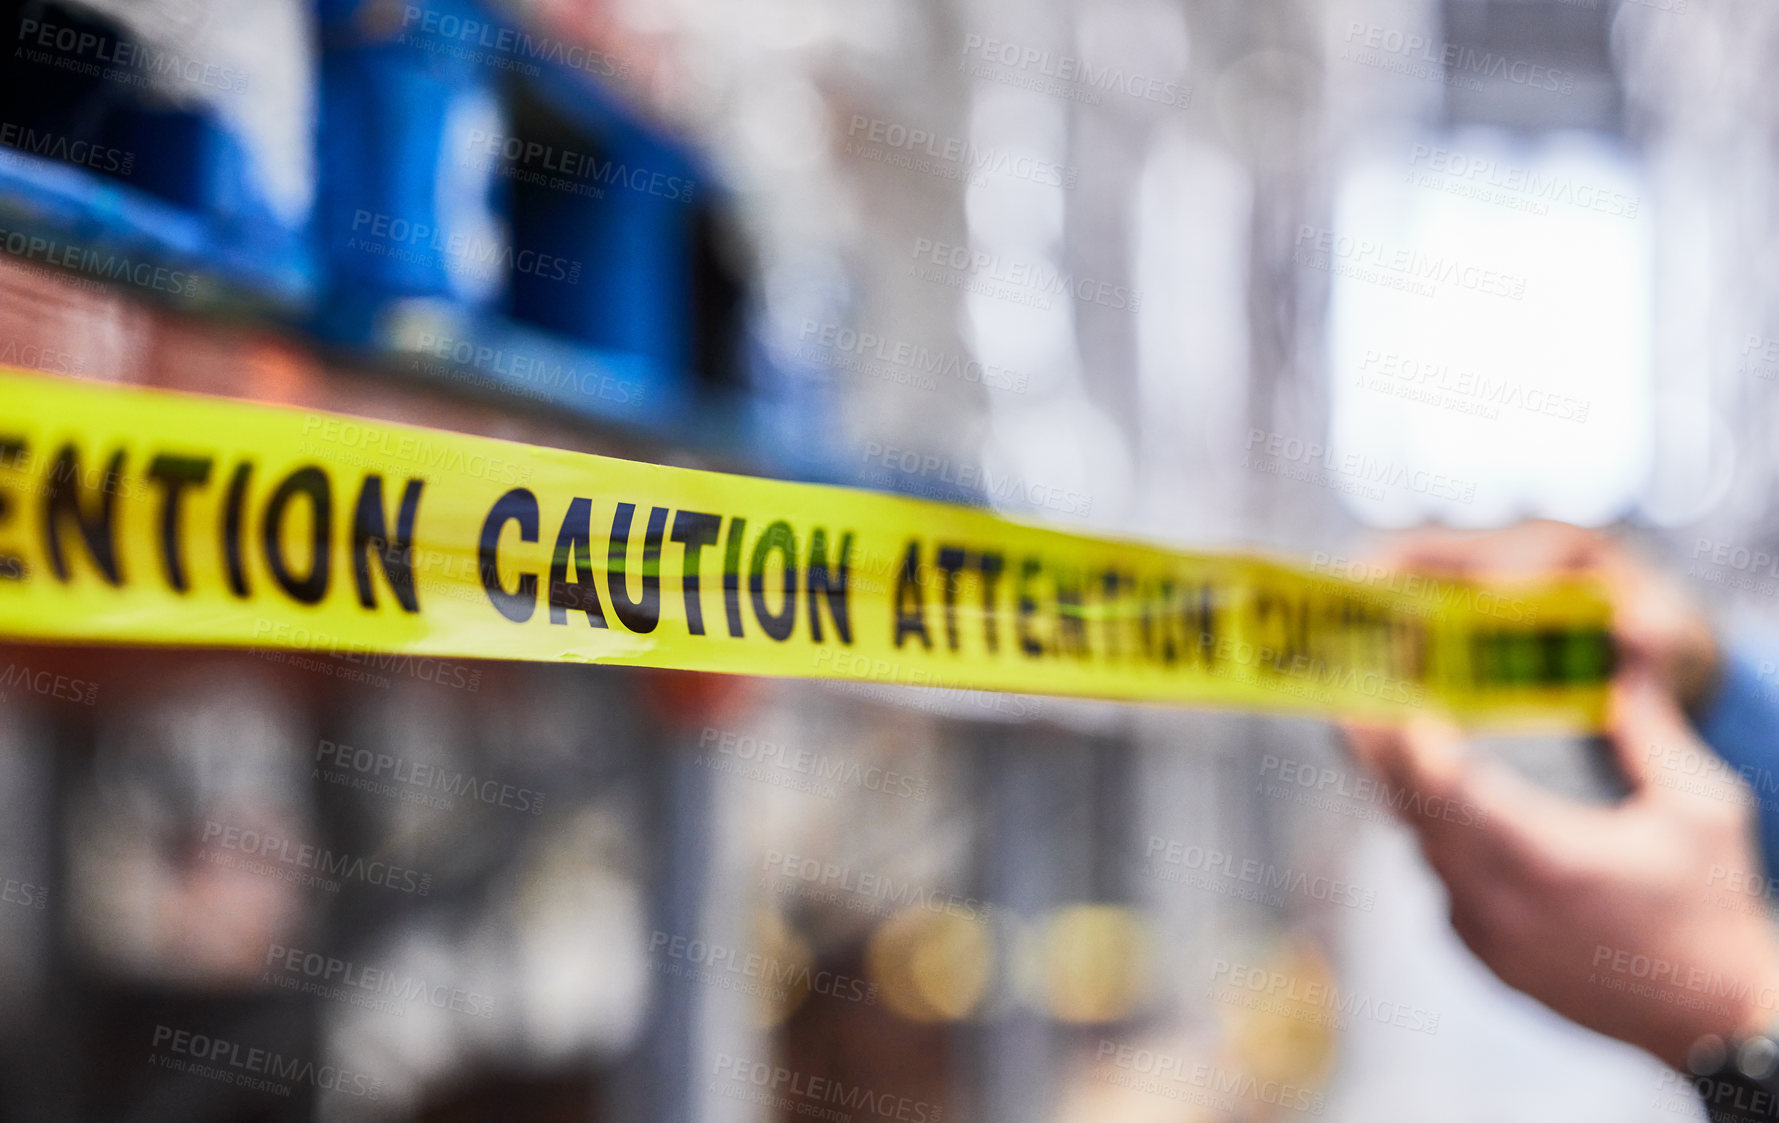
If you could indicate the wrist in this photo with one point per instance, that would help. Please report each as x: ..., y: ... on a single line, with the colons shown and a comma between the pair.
x: 1713, y: 1003
x: 1746, y: 1022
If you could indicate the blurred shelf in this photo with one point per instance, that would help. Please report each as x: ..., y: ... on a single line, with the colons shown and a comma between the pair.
x: 493, y: 224
x: 109, y: 231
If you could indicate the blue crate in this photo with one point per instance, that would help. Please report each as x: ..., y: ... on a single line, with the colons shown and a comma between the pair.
x: 176, y: 190
x: 418, y: 257
x: 410, y: 94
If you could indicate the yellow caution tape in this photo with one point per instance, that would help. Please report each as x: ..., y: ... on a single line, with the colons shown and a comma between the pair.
x: 140, y: 516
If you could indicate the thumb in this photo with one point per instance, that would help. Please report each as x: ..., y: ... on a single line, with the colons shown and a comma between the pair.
x: 1425, y: 756
x: 1647, y: 730
x: 1479, y: 823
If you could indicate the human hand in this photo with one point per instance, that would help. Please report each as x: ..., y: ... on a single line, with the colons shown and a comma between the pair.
x: 1602, y: 913
x: 1658, y: 628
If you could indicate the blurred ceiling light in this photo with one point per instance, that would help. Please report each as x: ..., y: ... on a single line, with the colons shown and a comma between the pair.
x: 1095, y: 961
x: 1490, y: 351
x: 1281, y: 1016
x: 931, y: 966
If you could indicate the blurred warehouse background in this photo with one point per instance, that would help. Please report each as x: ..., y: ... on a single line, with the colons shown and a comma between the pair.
x: 1272, y: 274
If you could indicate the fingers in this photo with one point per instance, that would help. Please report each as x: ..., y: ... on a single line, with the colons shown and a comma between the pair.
x: 1482, y: 827
x: 1424, y: 756
x: 1538, y: 548
x: 1437, y: 789
x: 1644, y: 719
x: 1442, y: 552
x: 1663, y: 758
